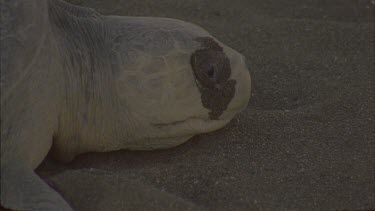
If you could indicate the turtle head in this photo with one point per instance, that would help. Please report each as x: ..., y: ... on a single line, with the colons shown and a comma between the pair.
x: 195, y: 86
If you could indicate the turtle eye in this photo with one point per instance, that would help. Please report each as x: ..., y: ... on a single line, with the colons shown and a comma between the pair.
x: 210, y: 67
x: 211, y: 73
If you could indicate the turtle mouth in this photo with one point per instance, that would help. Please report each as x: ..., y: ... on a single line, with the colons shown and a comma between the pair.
x: 172, y: 134
x: 190, y: 126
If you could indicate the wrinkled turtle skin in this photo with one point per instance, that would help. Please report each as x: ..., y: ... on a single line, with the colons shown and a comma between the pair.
x: 75, y: 81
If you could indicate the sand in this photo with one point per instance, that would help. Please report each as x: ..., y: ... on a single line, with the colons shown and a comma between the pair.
x: 305, y: 141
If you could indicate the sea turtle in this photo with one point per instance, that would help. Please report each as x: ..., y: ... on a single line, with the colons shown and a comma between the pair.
x: 75, y: 81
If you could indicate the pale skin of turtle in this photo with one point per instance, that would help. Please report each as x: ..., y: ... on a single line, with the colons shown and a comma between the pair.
x: 74, y: 81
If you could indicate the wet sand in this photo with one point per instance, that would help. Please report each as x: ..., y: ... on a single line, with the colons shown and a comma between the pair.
x: 305, y: 141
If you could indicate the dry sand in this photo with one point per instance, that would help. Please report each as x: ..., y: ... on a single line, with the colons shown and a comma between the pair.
x: 306, y: 140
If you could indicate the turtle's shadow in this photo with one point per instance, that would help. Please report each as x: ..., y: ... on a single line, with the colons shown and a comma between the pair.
x: 125, y: 159
x: 96, y: 160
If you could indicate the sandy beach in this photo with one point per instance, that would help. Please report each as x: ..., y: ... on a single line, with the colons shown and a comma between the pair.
x: 305, y: 142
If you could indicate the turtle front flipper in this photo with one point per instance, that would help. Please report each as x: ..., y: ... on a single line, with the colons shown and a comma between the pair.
x: 22, y: 189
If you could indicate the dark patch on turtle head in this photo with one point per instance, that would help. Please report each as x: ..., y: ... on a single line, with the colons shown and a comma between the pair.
x: 212, y: 71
